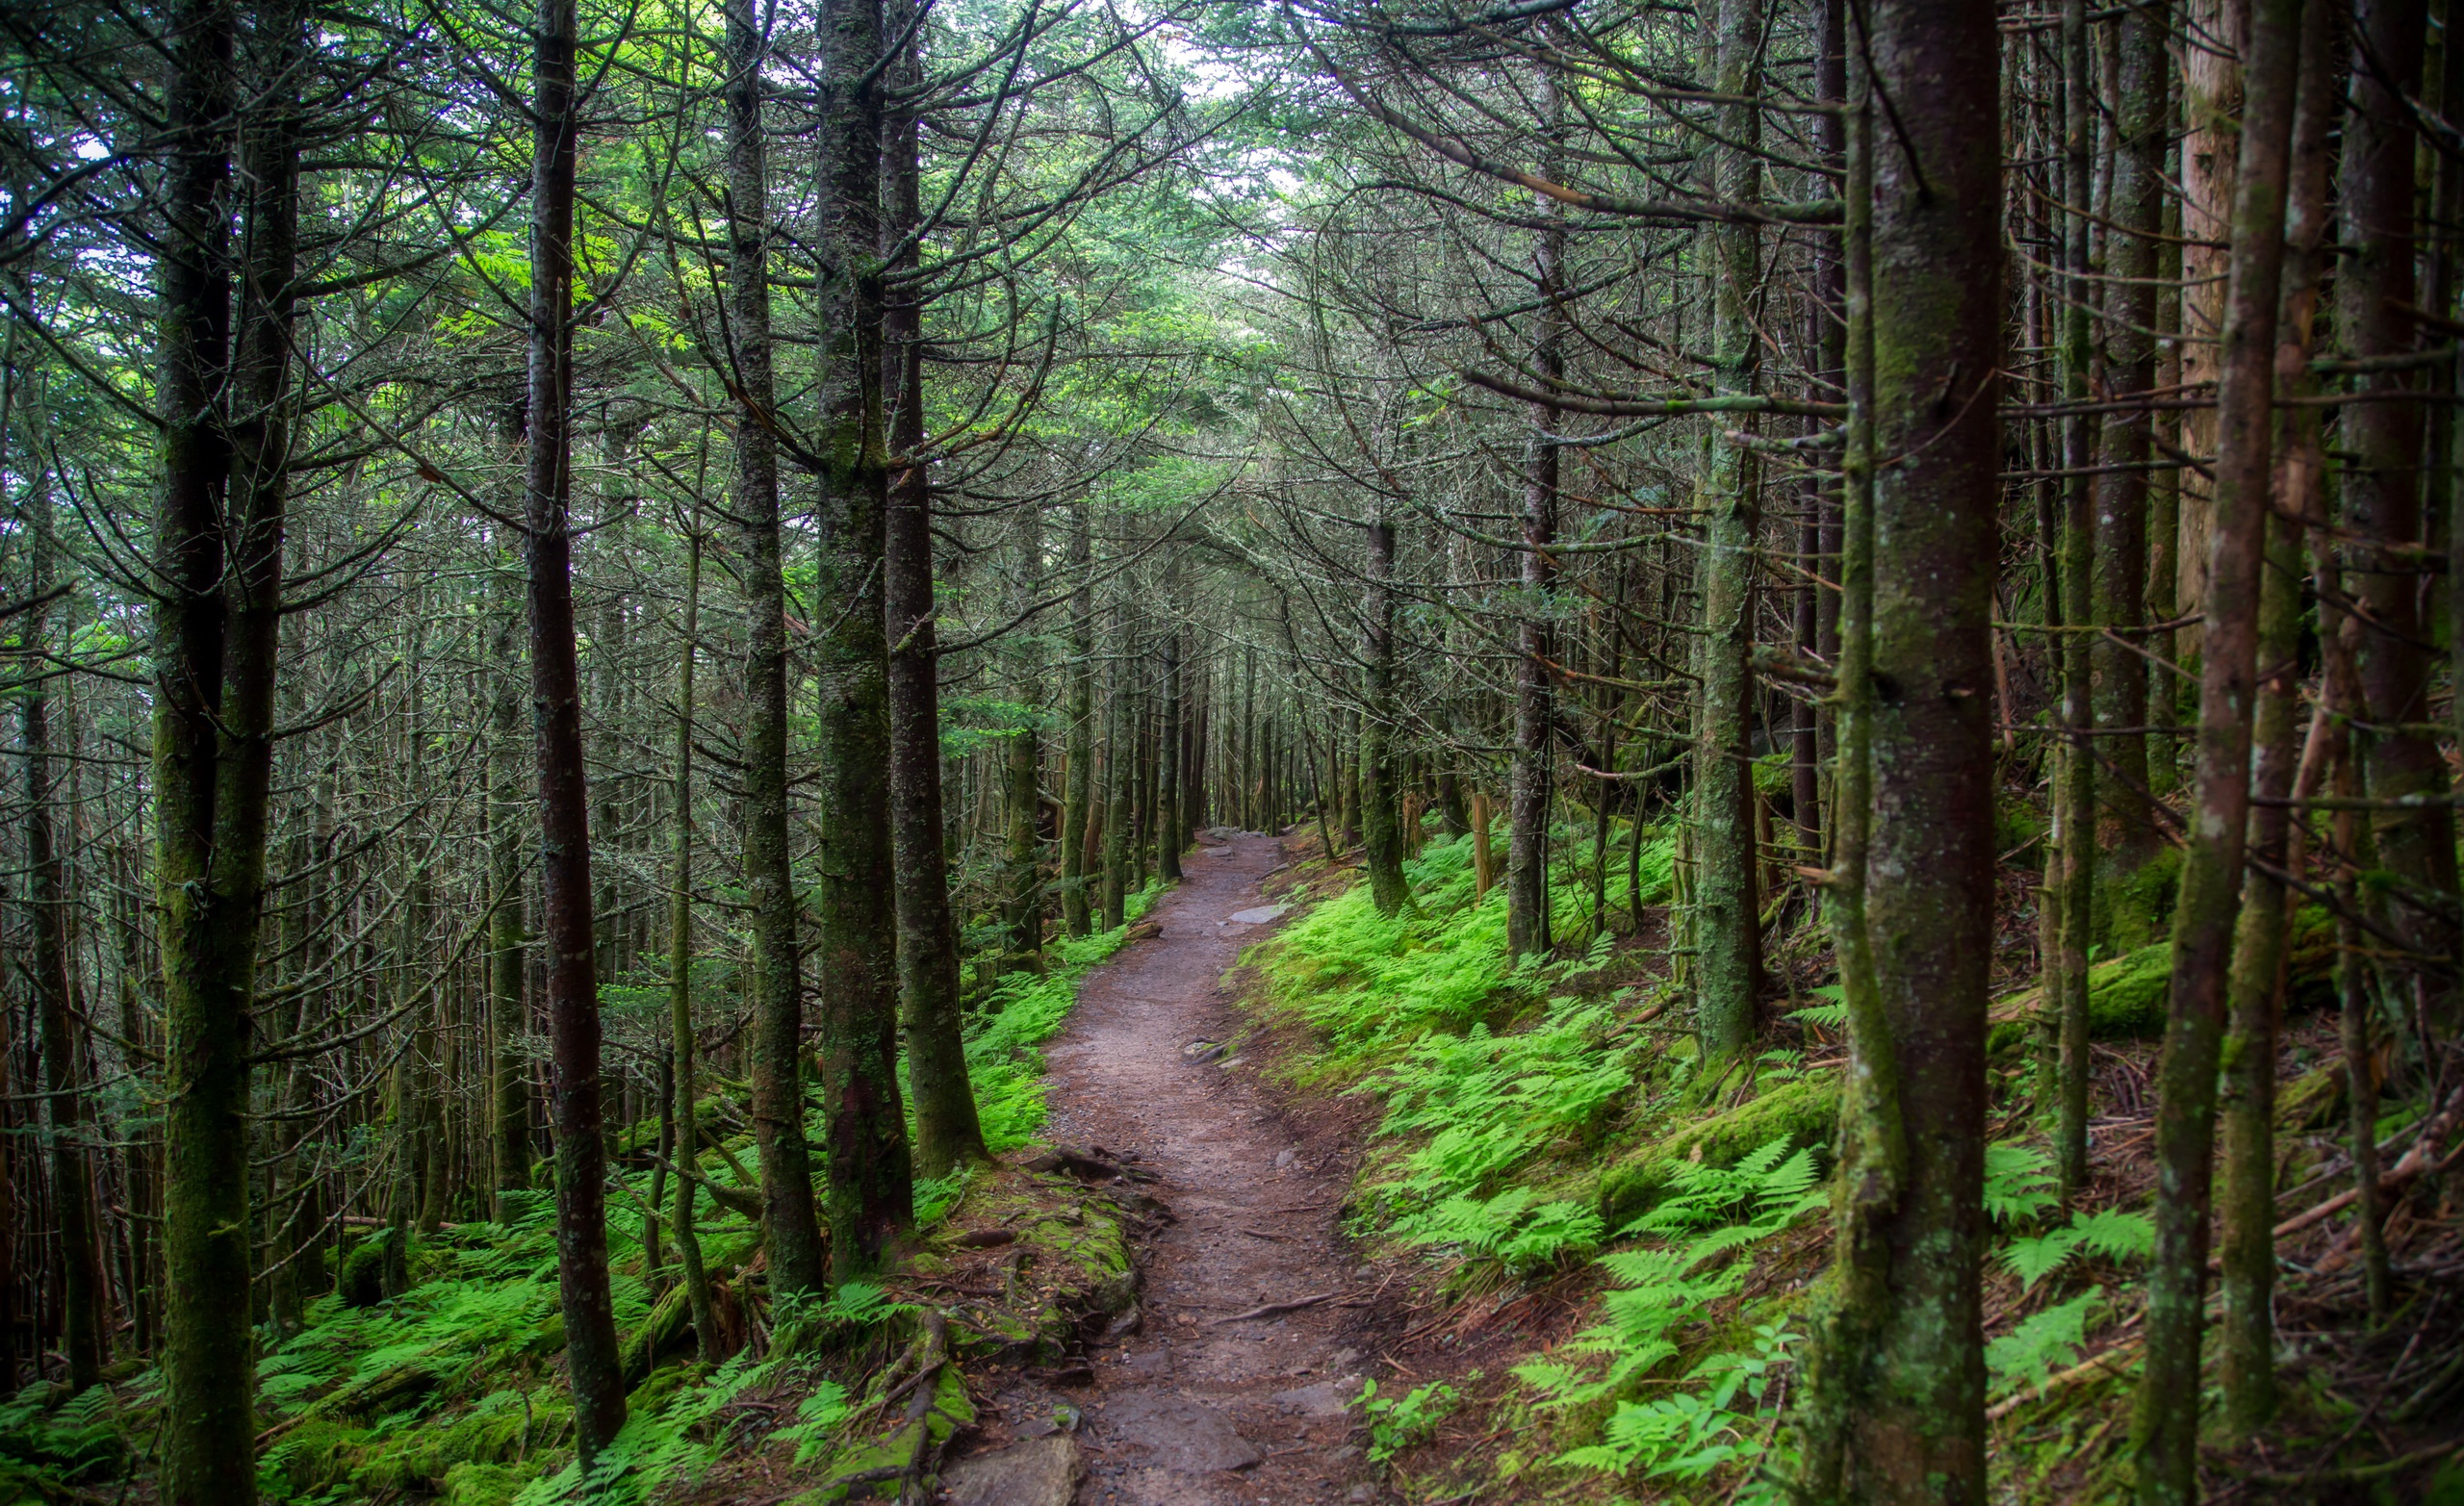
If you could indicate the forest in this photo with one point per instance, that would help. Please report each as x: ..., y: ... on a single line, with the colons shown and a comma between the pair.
x: 728, y: 726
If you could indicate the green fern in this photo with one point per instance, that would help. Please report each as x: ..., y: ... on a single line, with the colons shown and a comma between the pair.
x: 2018, y: 1182
x: 2041, y: 1343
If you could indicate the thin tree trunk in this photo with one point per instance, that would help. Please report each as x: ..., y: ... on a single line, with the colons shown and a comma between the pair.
x: 2127, y: 837
x: 1022, y: 884
x: 1382, y: 850
x: 2165, y: 1428
x: 1120, y: 764
x: 507, y: 922
x: 592, y: 1362
x: 1533, y: 767
x: 686, y: 1143
x: 1171, y: 824
x: 2256, y: 1000
x: 2415, y: 840
x: 1080, y: 752
x: 2075, y: 777
x: 70, y: 1129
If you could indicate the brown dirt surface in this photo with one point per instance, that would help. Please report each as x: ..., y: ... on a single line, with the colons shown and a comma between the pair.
x: 1188, y: 1402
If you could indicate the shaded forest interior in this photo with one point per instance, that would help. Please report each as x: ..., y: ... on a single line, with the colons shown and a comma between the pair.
x: 1846, y: 611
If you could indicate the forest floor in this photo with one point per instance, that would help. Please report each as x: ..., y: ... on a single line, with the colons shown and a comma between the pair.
x: 1188, y: 1400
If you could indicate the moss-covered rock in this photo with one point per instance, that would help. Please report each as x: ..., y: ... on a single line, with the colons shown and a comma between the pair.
x: 2127, y: 995
x: 2134, y: 905
x: 1803, y: 1112
x: 362, y: 1283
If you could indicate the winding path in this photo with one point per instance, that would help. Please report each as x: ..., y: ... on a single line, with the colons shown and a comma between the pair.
x: 1199, y: 1406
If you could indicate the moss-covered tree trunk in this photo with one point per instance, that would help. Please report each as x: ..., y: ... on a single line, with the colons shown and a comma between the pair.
x: 2073, y: 838
x: 1079, y: 736
x: 1382, y: 845
x: 1897, y: 1375
x: 224, y: 408
x: 592, y: 1362
x: 1726, y: 935
x: 798, y: 1258
x: 2246, y: 1207
x: 2165, y: 1426
x: 871, y: 1196
x: 946, y: 1132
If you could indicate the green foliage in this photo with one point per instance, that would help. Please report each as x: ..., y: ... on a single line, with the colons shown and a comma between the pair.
x: 816, y: 1416
x: 1687, y: 1436
x: 2018, y: 1182
x: 2116, y: 1235
x: 1712, y: 1213
x: 1508, y: 1229
x: 45, y: 1439
x: 2043, y: 1343
x: 1397, y: 1422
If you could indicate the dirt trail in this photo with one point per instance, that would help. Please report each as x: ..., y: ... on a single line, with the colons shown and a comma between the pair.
x: 1196, y: 1408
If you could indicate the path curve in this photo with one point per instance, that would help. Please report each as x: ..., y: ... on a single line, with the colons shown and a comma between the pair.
x: 1192, y: 1410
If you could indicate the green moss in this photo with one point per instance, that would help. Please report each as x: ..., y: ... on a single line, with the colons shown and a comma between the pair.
x: 1804, y: 1112
x: 362, y: 1283
x: 845, y: 1475
x: 315, y: 1457
x: 487, y: 1485
x: 2127, y: 995
x: 2017, y: 822
x: 2134, y: 907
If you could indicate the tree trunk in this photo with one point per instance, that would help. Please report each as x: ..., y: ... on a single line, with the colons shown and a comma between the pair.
x: 799, y: 1258
x: 1171, y: 825
x: 870, y: 1175
x: 1534, y: 767
x: 685, y: 1145
x: 946, y: 1132
x: 592, y: 1362
x: 1382, y: 850
x: 1080, y: 752
x: 48, y: 900
x: 1120, y: 764
x: 1725, y: 920
x: 2256, y: 997
x: 208, y: 876
x: 1022, y: 882
x: 508, y: 923
x: 2164, y: 1429
x: 2127, y: 837
x: 2074, y: 896
x: 1898, y: 1373
x: 2415, y: 841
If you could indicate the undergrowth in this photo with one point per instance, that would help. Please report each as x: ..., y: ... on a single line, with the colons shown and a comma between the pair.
x: 451, y: 1388
x: 1508, y: 1087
